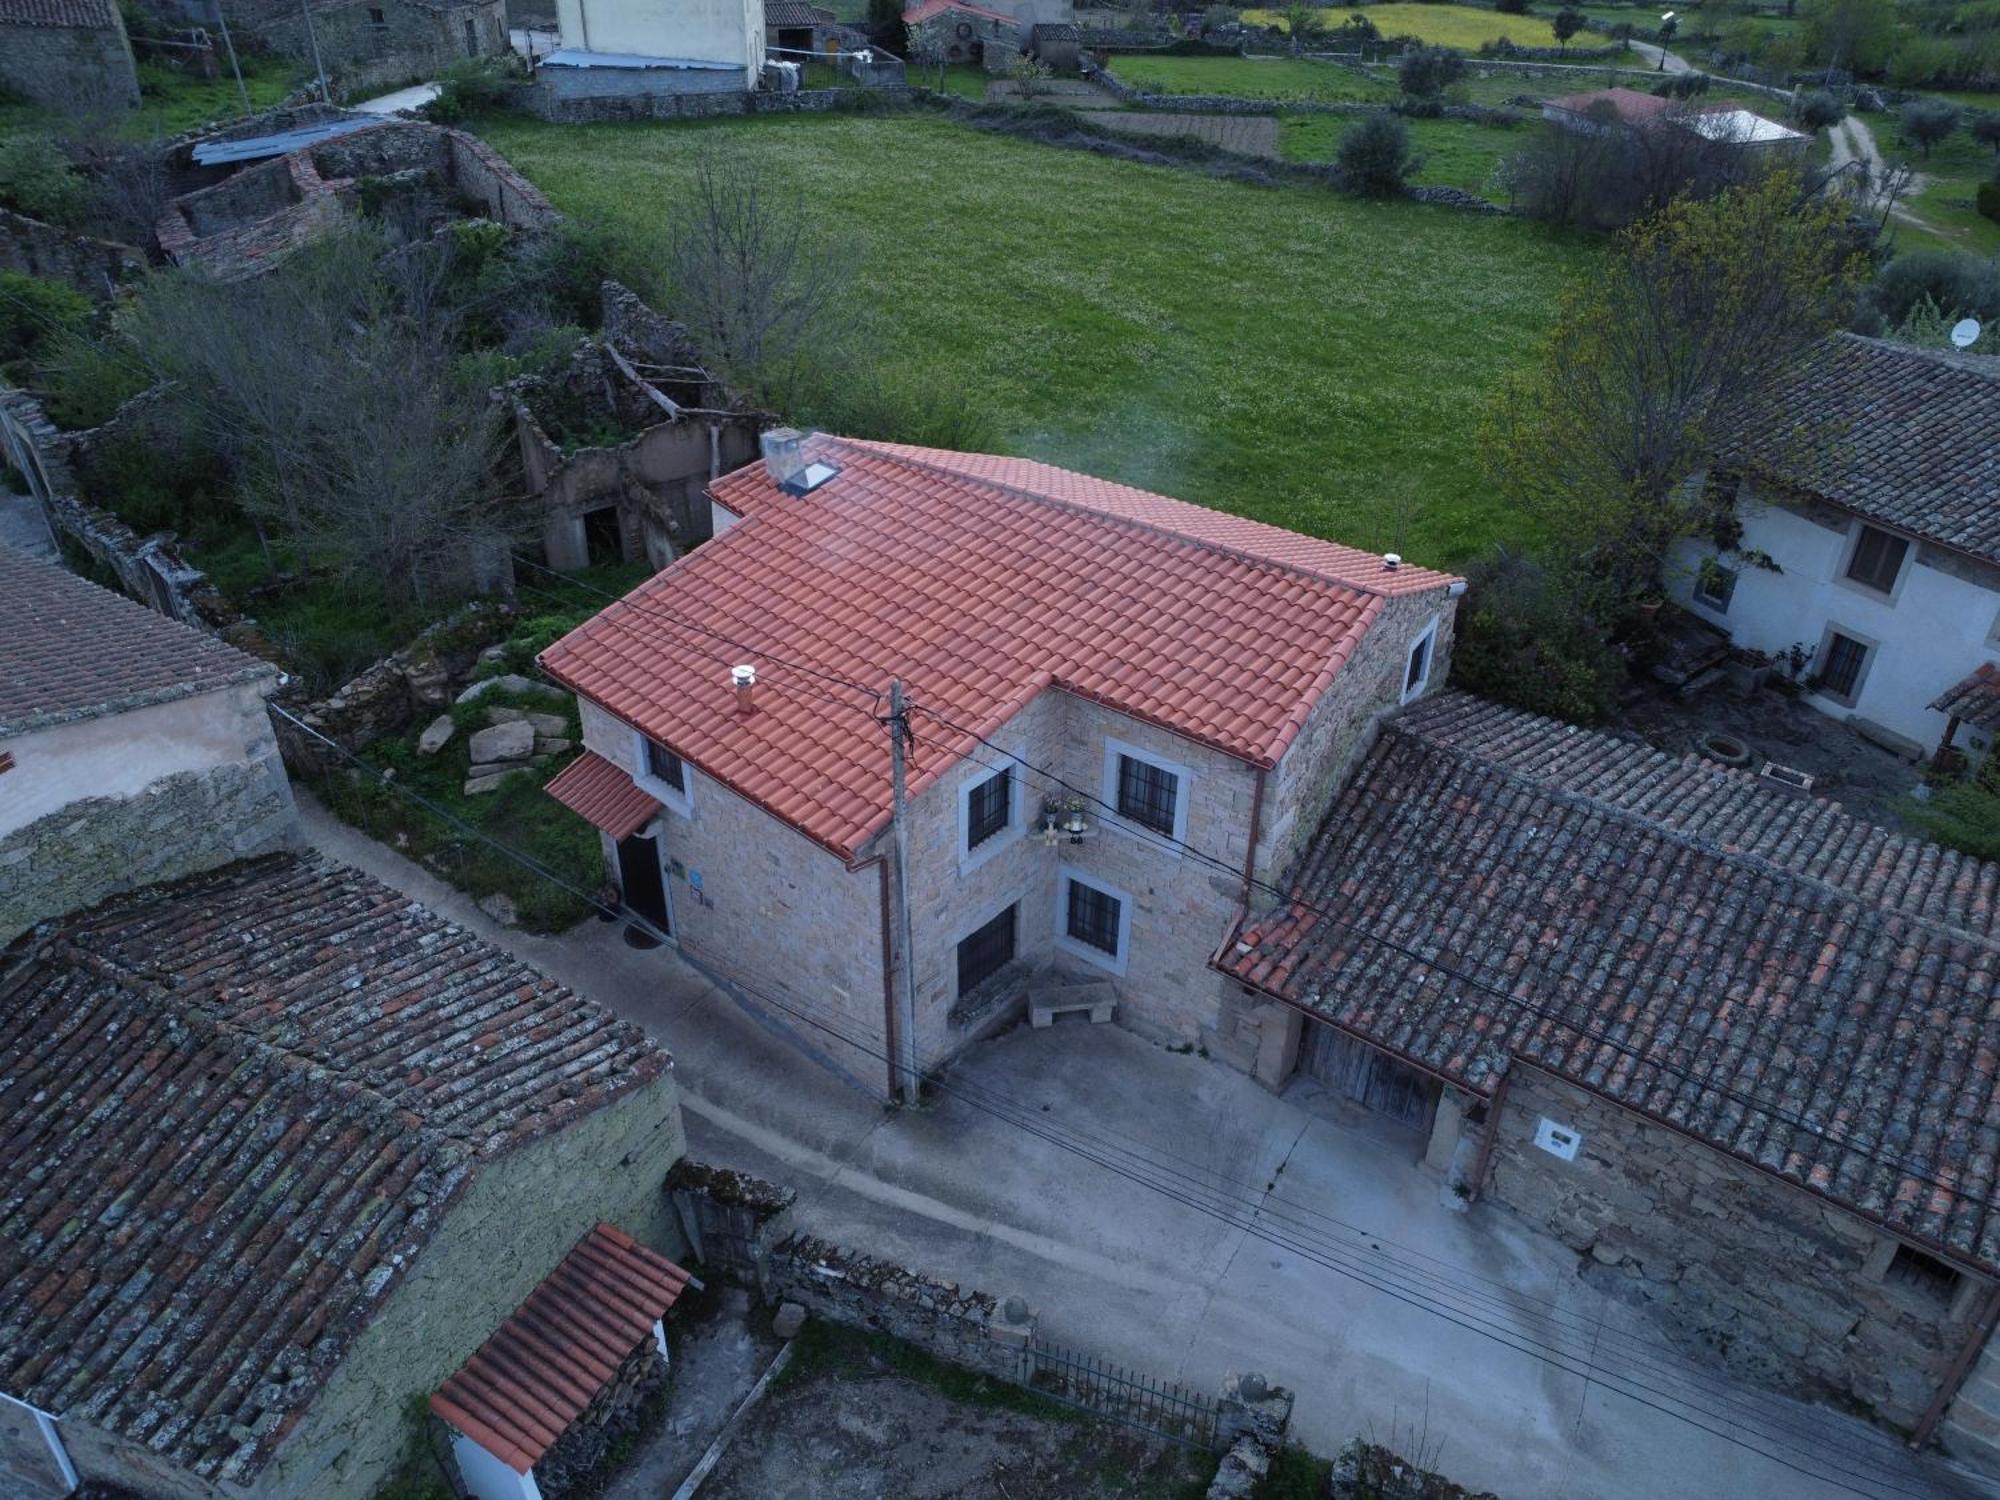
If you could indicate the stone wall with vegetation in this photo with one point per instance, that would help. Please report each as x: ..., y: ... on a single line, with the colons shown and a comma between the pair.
x: 94, y: 267
x: 64, y: 67
x: 959, y: 1326
x: 547, y: 105
x: 1780, y: 1287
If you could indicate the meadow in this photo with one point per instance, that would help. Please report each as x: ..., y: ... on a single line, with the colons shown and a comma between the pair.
x: 1285, y: 353
x: 1463, y: 26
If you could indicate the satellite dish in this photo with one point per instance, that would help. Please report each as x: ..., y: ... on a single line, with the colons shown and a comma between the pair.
x: 1964, y: 333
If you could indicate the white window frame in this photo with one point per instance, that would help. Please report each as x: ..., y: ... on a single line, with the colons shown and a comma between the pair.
x: 1115, y: 962
x: 1871, y: 649
x: 977, y: 775
x: 1183, y: 795
x: 1426, y: 642
x: 681, y: 801
x: 1868, y: 590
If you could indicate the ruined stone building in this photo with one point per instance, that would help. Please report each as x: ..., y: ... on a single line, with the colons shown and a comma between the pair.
x: 368, y: 46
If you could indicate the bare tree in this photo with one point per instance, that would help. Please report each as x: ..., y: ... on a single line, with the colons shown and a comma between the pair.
x: 1031, y: 77
x: 758, y: 289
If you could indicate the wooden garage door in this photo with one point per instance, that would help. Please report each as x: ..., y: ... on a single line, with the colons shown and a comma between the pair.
x: 1369, y: 1077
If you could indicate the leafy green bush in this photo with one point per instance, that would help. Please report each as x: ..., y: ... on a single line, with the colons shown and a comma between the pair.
x: 1427, y: 72
x: 36, y: 179
x: 1965, y: 815
x: 1928, y: 121
x: 1374, y: 156
x: 1524, y: 640
x: 1987, y: 200
x: 83, y: 380
x: 1820, y: 109
x: 471, y: 86
x: 1958, y: 284
x: 33, y: 313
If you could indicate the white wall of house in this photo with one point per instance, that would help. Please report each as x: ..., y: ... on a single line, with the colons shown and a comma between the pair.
x: 487, y: 1477
x: 1935, y: 625
x: 725, y: 31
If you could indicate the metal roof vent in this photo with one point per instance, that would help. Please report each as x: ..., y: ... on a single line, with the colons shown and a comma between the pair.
x: 744, y: 680
x: 1392, y: 560
x: 786, y: 462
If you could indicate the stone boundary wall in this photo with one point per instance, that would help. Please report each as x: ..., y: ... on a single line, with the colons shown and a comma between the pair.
x: 385, y: 699
x: 731, y: 1219
x: 1231, y: 104
x: 959, y: 1326
x: 92, y: 266
x: 147, y: 568
x: 545, y: 105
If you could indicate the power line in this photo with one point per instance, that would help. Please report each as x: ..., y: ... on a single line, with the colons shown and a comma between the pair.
x: 1151, y: 1175
x: 1414, y: 955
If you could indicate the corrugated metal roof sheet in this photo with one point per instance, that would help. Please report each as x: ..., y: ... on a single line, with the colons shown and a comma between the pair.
x: 576, y: 57
x: 544, y: 1366
x: 283, y: 143
x: 602, y: 795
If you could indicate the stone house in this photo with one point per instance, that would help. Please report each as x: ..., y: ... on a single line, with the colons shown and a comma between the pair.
x: 301, y: 1146
x: 367, y: 46
x: 792, y: 27
x: 1077, y: 650
x: 960, y: 32
x: 1735, y: 1047
x: 67, y: 54
x: 133, y: 748
x: 1868, y: 477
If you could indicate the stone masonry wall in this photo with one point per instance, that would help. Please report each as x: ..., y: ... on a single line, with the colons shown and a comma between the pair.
x: 412, y: 41
x: 523, y: 1213
x: 614, y: 1412
x: 757, y: 902
x: 65, y: 67
x: 102, y: 805
x: 92, y: 266
x: 959, y: 1326
x: 547, y: 105
x: 1775, y: 1284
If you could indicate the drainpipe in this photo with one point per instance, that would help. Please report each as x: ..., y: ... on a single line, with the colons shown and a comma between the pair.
x: 46, y: 1425
x: 1256, y: 832
x: 1960, y: 1368
x: 881, y: 865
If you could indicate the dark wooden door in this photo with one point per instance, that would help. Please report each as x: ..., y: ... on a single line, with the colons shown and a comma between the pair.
x: 639, y: 877
x: 1369, y: 1077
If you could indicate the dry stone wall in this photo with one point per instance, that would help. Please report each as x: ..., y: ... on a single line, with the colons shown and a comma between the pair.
x: 94, y: 267
x: 547, y: 105
x: 1780, y: 1287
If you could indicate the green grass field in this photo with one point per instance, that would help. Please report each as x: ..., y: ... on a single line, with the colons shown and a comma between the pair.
x: 171, y: 101
x: 1462, y: 26
x: 1285, y: 353
x: 1951, y: 177
x: 1254, y: 78
x: 1456, y: 153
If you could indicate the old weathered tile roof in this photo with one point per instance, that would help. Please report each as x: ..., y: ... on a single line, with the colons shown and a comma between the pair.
x: 795, y: 13
x: 1975, y: 700
x: 1902, y: 436
x: 980, y: 582
x: 543, y: 1367
x: 602, y: 795
x: 1631, y: 106
x: 1726, y: 947
x: 236, y: 1109
x: 71, y: 649
x: 76, y: 13
x: 917, y: 14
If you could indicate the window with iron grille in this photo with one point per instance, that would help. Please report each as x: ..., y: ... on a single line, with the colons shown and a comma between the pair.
x: 989, y: 808
x: 1094, y: 916
x: 1878, y: 558
x: 1419, y: 672
x: 665, y: 766
x: 1147, y: 794
x: 983, y: 953
x: 1841, y: 671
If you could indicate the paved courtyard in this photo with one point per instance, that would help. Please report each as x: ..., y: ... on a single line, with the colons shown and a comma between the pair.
x: 1159, y: 1209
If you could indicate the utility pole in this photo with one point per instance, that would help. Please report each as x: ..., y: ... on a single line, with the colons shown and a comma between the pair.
x: 319, y: 68
x: 229, y: 45
x: 906, y: 978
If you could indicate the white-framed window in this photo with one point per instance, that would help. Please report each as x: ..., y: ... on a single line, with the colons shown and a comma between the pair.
x: 1842, y: 666
x: 1148, y: 795
x: 1417, y: 667
x: 1093, y: 920
x: 662, y: 773
x: 989, y: 812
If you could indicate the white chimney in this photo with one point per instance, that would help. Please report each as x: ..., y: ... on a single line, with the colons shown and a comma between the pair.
x: 784, y: 455
x: 1392, y: 561
x: 744, y: 680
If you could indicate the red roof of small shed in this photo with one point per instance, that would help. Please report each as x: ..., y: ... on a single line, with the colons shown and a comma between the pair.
x: 544, y: 1366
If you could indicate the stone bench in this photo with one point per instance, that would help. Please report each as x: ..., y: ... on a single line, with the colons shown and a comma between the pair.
x: 1098, y: 1001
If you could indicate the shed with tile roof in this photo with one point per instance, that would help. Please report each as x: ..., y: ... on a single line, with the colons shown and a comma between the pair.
x: 1755, y: 1011
x: 301, y: 1143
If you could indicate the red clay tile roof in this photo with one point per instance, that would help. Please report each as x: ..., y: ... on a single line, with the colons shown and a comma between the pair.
x: 1976, y: 700
x: 1630, y: 105
x: 249, y: 1101
x: 980, y: 582
x: 70, y: 649
x: 917, y: 14
x: 1727, y: 936
x: 543, y: 1367
x: 602, y: 795
x: 81, y: 13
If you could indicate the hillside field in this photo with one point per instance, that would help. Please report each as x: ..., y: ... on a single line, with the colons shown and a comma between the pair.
x: 1285, y: 353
